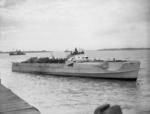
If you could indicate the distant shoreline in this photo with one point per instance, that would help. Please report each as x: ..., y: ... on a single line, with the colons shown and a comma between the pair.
x: 122, y: 49
x: 29, y: 52
x: 109, y: 49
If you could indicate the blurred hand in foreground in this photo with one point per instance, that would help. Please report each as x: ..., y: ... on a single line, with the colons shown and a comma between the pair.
x: 106, y: 109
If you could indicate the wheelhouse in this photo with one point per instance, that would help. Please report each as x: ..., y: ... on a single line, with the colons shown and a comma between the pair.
x: 79, y: 58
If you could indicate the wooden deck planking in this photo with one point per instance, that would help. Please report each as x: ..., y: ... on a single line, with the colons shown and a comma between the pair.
x: 29, y: 111
x: 12, y: 104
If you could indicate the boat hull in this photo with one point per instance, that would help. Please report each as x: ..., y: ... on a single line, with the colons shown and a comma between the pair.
x: 18, y: 54
x: 119, y: 70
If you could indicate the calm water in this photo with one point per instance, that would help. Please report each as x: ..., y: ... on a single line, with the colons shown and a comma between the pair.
x: 72, y: 95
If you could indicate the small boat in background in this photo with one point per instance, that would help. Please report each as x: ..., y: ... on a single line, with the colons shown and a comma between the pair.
x: 80, y: 65
x: 17, y: 52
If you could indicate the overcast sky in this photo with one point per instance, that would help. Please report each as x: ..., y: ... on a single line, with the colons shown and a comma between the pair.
x: 66, y: 24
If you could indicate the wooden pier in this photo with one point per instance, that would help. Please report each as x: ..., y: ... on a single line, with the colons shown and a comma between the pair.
x: 12, y: 104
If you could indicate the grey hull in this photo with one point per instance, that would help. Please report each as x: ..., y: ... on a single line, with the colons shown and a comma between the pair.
x: 120, y: 70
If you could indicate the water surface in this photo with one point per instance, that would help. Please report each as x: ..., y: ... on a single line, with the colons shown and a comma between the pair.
x: 73, y: 95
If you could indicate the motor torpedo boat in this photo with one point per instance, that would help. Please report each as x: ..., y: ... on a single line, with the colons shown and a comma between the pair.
x: 81, y: 66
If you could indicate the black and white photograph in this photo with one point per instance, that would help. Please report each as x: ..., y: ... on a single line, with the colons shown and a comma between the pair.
x: 74, y: 56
